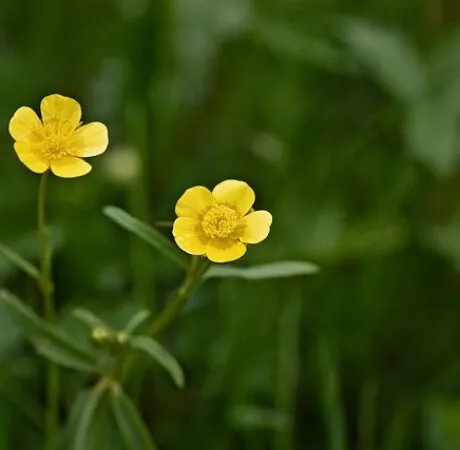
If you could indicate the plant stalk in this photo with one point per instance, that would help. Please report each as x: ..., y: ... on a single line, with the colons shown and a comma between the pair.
x: 172, y: 309
x: 47, y: 289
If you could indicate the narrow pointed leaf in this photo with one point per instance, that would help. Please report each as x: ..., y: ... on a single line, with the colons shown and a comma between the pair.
x: 389, y: 56
x: 88, y: 318
x: 132, y: 428
x: 136, y: 321
x: 76, y: 411
x: 87, y: 412
x: 102, y: 433
x: 161, y: 356
x: 60, y: 357
x: 19, y: 261
x: 280, y: 269
x: 49, y: 340
x: 148, y: 234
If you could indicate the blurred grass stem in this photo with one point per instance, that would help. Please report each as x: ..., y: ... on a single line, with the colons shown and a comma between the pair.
x: 47, y: 289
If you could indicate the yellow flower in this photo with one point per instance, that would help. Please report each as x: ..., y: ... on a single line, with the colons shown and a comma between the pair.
x: 57, y: 141
x: 220, y: 223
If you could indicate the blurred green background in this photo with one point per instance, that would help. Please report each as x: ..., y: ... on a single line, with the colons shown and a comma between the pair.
x: 345, y: 118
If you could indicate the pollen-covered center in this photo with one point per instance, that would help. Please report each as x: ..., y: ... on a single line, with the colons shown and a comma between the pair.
x: 219, y: 222
x: 58, y: 140
x: 55, y: 147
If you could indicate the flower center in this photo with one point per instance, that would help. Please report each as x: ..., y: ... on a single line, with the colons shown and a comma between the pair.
x: 58, y: 139
x: 219, y: 222
x: 55, y: 147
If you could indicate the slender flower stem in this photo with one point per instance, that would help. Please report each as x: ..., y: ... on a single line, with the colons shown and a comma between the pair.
x: 47, y: 289
x: 173, y: 307
x: 191, y: 282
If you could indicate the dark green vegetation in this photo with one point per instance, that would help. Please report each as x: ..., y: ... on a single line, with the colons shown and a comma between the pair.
x: 347, y: 129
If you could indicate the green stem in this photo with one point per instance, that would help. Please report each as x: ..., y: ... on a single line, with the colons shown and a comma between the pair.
x: 47, y: 289
x: 175, y: 305
x: 192, y: 280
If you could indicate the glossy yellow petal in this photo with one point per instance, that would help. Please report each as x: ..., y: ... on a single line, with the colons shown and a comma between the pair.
x: 224, y: 250
x: 25, y: 125
x: 29, y: 155
x: 57, y: 109
x: 70, y: 167
x: 237, y: 194
x: 254, y: 227
x: 194, y: 202
x: 92, y: 139
x: 185, y: 226
x: 188, y: 235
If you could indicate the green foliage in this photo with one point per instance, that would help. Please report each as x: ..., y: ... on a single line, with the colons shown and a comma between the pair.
x: 49, y: 341
x: 134, y: 433
x: 86, y: 418
x: 19, y: 261
x: 281, y: 269
x: 160, y: 355
x: 148, y: 234
x: 344, y: 117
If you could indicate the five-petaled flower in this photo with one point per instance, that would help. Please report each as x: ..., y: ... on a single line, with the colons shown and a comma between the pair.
x: 220, y: 223
x: 59, y: 140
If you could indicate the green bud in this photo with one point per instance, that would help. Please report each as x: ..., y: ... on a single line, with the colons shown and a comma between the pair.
x: 101, y: 336
x: 122, y: 338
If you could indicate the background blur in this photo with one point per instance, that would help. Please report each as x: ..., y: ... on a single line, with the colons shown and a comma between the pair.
x: 344, y: 117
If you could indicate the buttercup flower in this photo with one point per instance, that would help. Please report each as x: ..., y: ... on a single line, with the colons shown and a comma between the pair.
x: 220, y: 223
x: 59, y: 140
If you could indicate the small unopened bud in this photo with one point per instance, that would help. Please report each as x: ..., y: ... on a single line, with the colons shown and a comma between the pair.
x: 122, y: 338
x: 101, y: 336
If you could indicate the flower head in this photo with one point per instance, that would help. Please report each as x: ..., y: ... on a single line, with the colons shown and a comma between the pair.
x: 220, y: 223
x: 58, y: 140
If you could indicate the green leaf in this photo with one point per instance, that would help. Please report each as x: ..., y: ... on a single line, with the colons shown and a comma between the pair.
x: 17, y: 397
x: 49, y: 340
x: 161, y: 356
x: 281, y: 37
x: 102, y: 433
x: 19, y: 261
x: 136, y: 321
x: 433, y: 121
x: 74, y: 416
x: 133, y: 430
x: 280, y: 269
x: 88, y: 318
x: 87, y: 411
x: 442, y: 424
x: 60, y: 357
x: 148, y: 234
x: 387, y: 54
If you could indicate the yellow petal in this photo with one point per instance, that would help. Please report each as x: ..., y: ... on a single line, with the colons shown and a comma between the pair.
x: 92, y: 139
x: 236, y: 193
x: 224, y: 250
x: 57, y: 109
x: 192, y: 245
x: 70, y: 167
x: 194, y: 202
x: 25, y: 125
x: 29, y: 155
x: 254, y: 227
x: 185, y: 226
x: 188, y: 235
